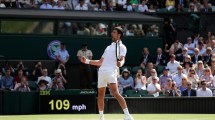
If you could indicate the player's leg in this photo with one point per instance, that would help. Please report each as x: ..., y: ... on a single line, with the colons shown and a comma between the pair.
x: 102, y: 84
x: 101, y: 95
x: 121, y: 100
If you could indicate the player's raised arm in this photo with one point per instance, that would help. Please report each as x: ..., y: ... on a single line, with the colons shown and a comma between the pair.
x: 92, y: 62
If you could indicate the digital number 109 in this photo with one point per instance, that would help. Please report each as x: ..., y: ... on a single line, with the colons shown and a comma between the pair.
x: 59, y: 104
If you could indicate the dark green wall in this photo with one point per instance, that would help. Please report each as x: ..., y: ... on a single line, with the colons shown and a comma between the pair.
x: 35, y: 47
x: 20, y: 103
x: 1, y: 102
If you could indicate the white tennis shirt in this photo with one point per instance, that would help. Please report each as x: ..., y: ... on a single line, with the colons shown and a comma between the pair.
x: 109, y: 55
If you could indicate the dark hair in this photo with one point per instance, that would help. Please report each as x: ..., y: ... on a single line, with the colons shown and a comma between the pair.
x: 62, y: 43
x: 119, y: 31
x: 203, y: 82
x: 189, y: 63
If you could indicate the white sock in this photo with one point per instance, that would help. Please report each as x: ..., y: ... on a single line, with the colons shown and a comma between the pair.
x: 126, y: 111
x: 101, y: 113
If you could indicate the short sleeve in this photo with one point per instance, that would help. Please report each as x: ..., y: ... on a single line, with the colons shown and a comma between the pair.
x: 67, y: 54
x: 79, y: 53
x: 90, y: 53
x: 104, y: 53
x: 123, y: 50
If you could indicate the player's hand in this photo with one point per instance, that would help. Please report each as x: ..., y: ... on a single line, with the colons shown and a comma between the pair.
x: 83, y: 59
x: 118, y: 64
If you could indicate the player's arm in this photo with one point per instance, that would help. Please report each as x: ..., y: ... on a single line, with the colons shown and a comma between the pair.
x: 92, y: 62
x: 121, y: 62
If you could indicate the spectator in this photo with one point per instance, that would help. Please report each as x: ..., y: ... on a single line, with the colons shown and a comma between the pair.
x: 179, y: 8
x: 145, y: 58
x: 85, y: 69
x: 154, y: 88
x: 178, y: 77
x: 104, y: 5
x: 182, y: 3
x: 154, y: 3
x: 62, y: 55
x: 15, y: 4
x: 188, y: 60
x: 193, y: 78
x: 192, y: 8
x: 174, y: 91
x: 212, y: 66
x: 197, y: 5
x: 196, y: 57
x: 183, y: 86
x: 45, y: 5
x: 172, y: 64
x: 168, y: 86
x: 140, y: 81
x: 32, y: 4
x: 177, y: 47
x: 213, y: 45
x: 20, y: 66
x: 153, y: 73
x: 2, y: 4
x: 125, y: 81
x: 45, y: 75
x: 143, y: 7
x: 7, y: 81
x: 206, y: 7
x: 102, y: 29
x: 8, y: 66
x: 170, y: 4
x: 37, y: 72
x: 81, y: 6
x: 43, y: 83
x: 164, y: 77
x: 52, y: 3
x: 22, y: 86
x: 201, y: 48
x: 200, y: 68
x: 196, y: 39
x: 207, y: 56
x: 74, y: 3
x: 189, y: 91
x: 110, y: 6
x: 67, y: 4
x: 121, y: 5
x: 207, y: 77
x: 148, y: 69
x: 181, y: 57
x: 19, y: 76
x: 187, y: 68
x: 152, y: 8
x: 59, y: 5
x: 63, y: 69
x: 58, y: 78
x: 7, y: 3
x: 160, y: 58
x: 204, y: 91
x: 169, y: 31
x: 93, y: 5
x: 190, y: 46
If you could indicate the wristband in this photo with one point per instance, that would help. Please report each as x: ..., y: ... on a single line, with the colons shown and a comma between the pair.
x: 87, y: 61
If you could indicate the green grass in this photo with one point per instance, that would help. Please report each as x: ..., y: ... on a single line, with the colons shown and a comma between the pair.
x: 110, y: 117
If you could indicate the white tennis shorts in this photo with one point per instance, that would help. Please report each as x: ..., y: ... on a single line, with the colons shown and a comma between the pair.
x: 104, y: 78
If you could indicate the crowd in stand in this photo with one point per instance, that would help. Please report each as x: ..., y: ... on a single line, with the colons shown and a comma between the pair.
x: 180, y: 70
x: 115, y: 5
x: 18, y: 78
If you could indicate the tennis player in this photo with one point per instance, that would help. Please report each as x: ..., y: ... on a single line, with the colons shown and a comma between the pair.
x: 112, y: 58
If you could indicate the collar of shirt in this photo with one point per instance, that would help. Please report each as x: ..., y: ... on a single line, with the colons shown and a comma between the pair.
x: 119, y: 41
